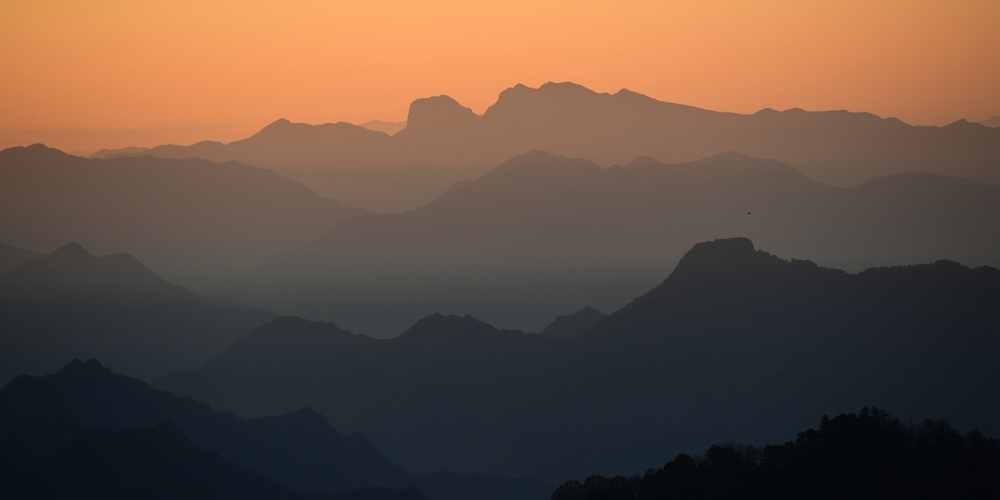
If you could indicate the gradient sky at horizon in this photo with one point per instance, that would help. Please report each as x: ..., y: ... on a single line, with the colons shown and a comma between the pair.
x: 82, y: 76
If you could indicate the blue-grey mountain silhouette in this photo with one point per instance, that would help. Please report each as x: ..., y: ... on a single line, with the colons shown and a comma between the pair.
x: 541, y: 235
x: 735, y: 344
x: 298, y: 450
x: 572, y: 325
x: 10, y: 257
x: 73, y: 304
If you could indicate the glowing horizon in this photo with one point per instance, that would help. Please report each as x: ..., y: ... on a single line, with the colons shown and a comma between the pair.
x: 82, y: 77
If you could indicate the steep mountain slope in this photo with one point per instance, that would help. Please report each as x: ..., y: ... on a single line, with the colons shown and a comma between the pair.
x: 543, y: 235
x: 185, y: 218
x: 444, y: 142
x: 573, y: 325
x: 73, y: 304
x: 735, y: 344
x: 10, y: 257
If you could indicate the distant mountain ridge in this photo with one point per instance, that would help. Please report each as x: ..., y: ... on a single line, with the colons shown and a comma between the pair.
x: 389, y: 128
x: 736, y: 344
x: 542, y: 235
x: 12, y: 256
x: 445, y: 142
x: 73, y: 304
x: 189, y: 219
x: 573, y: 325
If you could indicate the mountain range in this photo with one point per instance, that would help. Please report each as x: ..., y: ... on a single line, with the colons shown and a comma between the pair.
x: 10, y: 257
x: 73, y: 304
x: 188, y: 219
x: 543, y: 235
x: 444, y: 142
x: 299, y: 451
x: 736, y: 344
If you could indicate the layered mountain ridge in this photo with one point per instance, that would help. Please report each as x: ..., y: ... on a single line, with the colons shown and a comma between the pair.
x: 189, y: 219
x: 73, y: 304
x: 543, y: 235
x: 299, y: 450
x: 736, y: 344
x: 445, y: 142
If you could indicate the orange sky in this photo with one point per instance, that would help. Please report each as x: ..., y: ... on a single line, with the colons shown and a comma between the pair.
x: 82, y: 75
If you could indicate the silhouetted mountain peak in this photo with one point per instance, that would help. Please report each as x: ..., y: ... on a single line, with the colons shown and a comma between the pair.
x: 70, y: 251
x: 572, y: 325
x: 729, y: 257
x: 546, y: 90
x: 90, y: 367
x: 72, y: 271
x: 440, y: 327
x: 276, y: 125
x: 515, y: 101
x: 718, y: 252
x: 565, y: 89
x: 961, y: 123
x: 34, y: 152
x: 438, y: 113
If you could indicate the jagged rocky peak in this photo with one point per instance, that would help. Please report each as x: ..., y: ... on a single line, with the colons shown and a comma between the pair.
x: 70, y: 251
x: 438, y: 113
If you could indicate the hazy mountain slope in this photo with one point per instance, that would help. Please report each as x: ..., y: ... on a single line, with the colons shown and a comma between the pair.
x: 12, y: 256
x: 73, y: 304
x: 734, y: 344
x: 185, y: 218
x: 573, y: 325
x: 543, y: 235
x: 446, y: 352
x: 383, y: 126
x: 350, y: 163
x: 539, y: 207
x: 299, y: 450
x: 444, y: 142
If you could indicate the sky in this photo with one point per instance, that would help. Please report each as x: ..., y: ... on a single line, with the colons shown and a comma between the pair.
x: 86, y: 75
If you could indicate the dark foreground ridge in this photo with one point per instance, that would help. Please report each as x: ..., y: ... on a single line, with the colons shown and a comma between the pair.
x: 157, y: 462
x: 869, y: 455
x: 89, y: 416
